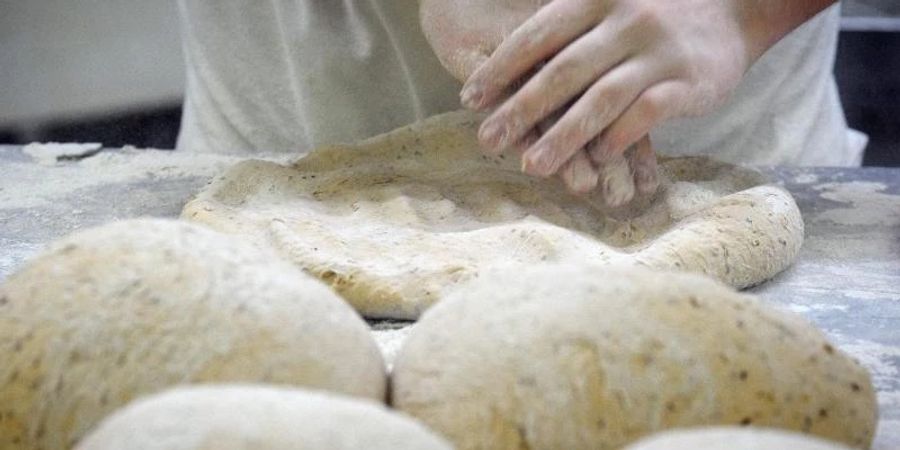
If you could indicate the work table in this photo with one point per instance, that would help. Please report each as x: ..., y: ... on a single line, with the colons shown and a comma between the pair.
x: 846, y: 280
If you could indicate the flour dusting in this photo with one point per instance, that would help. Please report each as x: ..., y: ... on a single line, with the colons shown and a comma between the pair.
x: 28, y: 185
x: 806, y: 178
x: 48, y: 154
x: 390, y: 340
x: 867, y: 203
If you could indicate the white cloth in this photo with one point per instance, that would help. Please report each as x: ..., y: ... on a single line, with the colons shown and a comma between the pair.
x: 291, y: 75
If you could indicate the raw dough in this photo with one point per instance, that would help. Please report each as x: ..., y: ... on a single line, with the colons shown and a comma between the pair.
x: 594, y: 357
x: 258, y: 418
x: 394, y: 222
x: 134, y: 307
x: 733, y: 438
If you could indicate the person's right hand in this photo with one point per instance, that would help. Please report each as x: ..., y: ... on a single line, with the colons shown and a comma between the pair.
x: 465, y: 33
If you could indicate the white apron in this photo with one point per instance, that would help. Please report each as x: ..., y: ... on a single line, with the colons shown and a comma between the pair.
x: 291, y: 75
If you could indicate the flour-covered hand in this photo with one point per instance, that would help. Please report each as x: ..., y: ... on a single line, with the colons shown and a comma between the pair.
x: 628, y: 64
x: 624, y: 66
x: 464, y: 34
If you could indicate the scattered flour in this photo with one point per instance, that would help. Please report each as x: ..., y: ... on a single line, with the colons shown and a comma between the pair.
x: 27, y: 185
x: 390, y: 338
x: 868, y: 204
x: 883, y: 362
x: 806, y: 178
x: 50, y: 153
x: 14, y: 254
x: 803, y: 309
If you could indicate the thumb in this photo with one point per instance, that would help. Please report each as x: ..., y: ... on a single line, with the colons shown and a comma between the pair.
x: 466, y: 61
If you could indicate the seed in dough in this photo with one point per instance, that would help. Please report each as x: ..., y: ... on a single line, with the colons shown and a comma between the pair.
x: 596, y: 357
x: 131, y: 308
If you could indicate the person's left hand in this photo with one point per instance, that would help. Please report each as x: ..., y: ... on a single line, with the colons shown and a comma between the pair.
x: 623, y: 65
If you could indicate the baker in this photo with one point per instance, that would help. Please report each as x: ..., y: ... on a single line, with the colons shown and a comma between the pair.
x: 586, y: 89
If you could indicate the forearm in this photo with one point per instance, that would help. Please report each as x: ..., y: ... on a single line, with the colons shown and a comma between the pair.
x: 765, y: 22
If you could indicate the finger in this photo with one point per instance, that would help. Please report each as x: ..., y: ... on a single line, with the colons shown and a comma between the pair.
x: 590, y: 115
x: 643, y: 164
x: 617, y: 181
x: 466, y: 61
x: 535, y: 133
x: 579, y: 174
x: 527, y: 141
x: 563, y: 78
x: 656, y: 104
x: 545, y: 33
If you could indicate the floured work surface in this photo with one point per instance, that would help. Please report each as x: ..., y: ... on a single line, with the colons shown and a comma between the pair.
x: 394, y: 222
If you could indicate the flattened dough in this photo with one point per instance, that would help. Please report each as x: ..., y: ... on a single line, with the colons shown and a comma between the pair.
x: 395, y: 222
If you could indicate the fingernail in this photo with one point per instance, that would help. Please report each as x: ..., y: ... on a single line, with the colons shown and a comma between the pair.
x: 546, y: 162
x: 494, y: 134
x: 584, y: 177
x: 618, y: 188
x: 528, y: 163
x: 540, y: 162
x: 472, y: 96
x: 646, y: 180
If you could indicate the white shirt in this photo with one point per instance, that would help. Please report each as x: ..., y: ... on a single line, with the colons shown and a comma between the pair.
x: 292, y: 75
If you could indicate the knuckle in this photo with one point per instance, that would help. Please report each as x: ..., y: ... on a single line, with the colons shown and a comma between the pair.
x: 647, y: 15
x: 521, y: 112
x: 569, y: 135
x: 652, y: 105
x: 617, y: 140
x: 562, y: 73
x: 605, y: 100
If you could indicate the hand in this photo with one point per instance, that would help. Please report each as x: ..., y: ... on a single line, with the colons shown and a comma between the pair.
x: 464, y: 33
x: 627, y: 64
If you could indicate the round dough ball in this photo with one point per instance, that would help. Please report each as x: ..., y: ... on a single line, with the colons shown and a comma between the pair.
x: 258, y: 418
x: 596, y: 357
x: 733, y: 438
x: 134, y: 307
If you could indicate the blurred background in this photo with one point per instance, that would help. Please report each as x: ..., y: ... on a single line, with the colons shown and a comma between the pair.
x: 111, y: 71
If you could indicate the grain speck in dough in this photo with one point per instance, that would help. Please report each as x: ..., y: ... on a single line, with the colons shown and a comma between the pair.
x: 130, y: 308
x: 395, y: 222
x: 595, y: 357
x: 236, y: 417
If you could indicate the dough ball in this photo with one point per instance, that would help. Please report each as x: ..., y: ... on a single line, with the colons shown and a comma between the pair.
x: 257, y: 418
x: 582, y: 356
x: 134, y: 307
x: 733, y: 438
